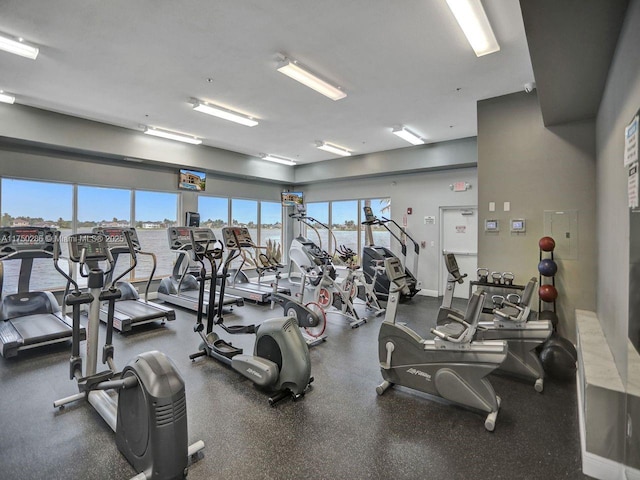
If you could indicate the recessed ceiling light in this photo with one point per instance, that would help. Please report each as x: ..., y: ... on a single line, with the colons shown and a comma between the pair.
x: 328, y: 147
x: 6, y: 98
x: 407, y: 135
x: 302, y: 74
x: 180, y: 137
x: 475, y: 25
x: 224, y: 113
x: 18, y: 47
x: 277, y: 159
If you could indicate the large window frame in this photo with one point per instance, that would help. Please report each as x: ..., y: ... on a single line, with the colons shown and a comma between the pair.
x: 330, y: 239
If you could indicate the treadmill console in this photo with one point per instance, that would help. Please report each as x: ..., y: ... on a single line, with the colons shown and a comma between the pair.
x: 116, y: 239
x: 202, y: 239
x: 94, y: 245
x: 179, y: 238
x: 17, y: 239
x: 237, y: 237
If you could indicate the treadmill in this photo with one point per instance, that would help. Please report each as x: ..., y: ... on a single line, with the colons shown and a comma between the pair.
x: 238, y: 241
x: 182, y: 287
x: 130, y: 309
x: 29, y: 319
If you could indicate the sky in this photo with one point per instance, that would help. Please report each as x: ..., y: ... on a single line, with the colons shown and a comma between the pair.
x: 54, y: 200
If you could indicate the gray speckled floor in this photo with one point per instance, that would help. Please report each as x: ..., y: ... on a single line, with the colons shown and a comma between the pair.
x: 341, y: 429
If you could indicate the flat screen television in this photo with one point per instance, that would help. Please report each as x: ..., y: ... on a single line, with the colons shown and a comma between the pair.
x: 192, y: 180
x: 291, y: 199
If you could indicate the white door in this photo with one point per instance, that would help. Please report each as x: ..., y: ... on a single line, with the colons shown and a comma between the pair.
x: 459, y: 235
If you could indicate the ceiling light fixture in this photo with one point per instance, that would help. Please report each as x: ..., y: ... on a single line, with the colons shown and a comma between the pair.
x: 302, y: 74
x: 407, y: 135
x: 474, y: 23
x: 172, y: 135
x: 328, y: 147
x: 224, y: 113
x: 18, y: 47
x: 6, y: 98
x: 276, y: 159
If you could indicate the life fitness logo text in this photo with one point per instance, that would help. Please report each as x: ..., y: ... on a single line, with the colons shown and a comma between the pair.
x: 419, y: 373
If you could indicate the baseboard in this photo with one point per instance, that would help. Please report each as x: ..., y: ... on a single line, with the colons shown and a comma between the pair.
x: 428, y: 293
x: 632, y: 474
x: 594, y: 465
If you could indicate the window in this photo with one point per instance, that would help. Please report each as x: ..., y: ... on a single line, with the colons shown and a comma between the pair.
x: 104, y: 207
x: 344, y: 224
x: 271, y: 223
x: 27, y: 203
x: 214, y: 213
x: 155, y: 212
x: 319, y: 211
x: 244, y: 213
x: 381, y: 207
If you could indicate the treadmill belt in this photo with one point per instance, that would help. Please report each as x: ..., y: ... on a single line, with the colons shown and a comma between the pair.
x: 41, y: 328
x: 138, y: 311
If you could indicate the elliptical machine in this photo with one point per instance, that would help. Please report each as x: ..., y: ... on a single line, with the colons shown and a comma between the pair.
x: 310, y: 316
x: 513, y: 321
x: 451, y: 367
x: 149, y: 414
x: 280, y: 360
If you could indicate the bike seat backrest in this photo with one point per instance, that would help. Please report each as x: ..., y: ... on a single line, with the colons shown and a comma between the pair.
x: 527, y: 294
x: 472, y: 315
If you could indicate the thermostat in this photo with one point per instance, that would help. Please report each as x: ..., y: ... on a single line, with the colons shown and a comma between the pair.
x: 518, y: 225
x: 491, y: 226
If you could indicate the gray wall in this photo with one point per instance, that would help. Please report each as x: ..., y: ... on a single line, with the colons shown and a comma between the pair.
x: 39, y: 127
x: 619, y: 103
x: 537, y: 169
x: 424, y: 192
x: 441, y: 155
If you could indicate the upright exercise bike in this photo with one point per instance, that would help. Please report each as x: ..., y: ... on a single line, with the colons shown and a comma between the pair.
x: 280, y: 361
x: 451, y: 367
x: 149, y: 414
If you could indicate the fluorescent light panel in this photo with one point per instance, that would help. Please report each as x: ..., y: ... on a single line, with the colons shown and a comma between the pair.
x: 172, y: 136
x: 328, y: 147
x: 474, y: 23
x: 6, y: 98
x: 18, y: 47
x: 224, y: 113
x: 276, y: 159
x: 295, y: 70
x: 406, y: 134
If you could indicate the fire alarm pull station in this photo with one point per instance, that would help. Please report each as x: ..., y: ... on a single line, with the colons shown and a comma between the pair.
x: 409, y: 211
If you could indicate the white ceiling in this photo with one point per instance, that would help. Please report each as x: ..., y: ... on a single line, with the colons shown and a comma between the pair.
x: 138, y: 62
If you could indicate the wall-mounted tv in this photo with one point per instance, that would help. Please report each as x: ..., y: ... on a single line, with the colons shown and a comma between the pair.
x: 291, y: 199
x: 192, y: 180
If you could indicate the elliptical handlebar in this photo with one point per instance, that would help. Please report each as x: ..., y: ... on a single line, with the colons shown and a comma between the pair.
x: 56, y: 258
x: 134, y: 257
